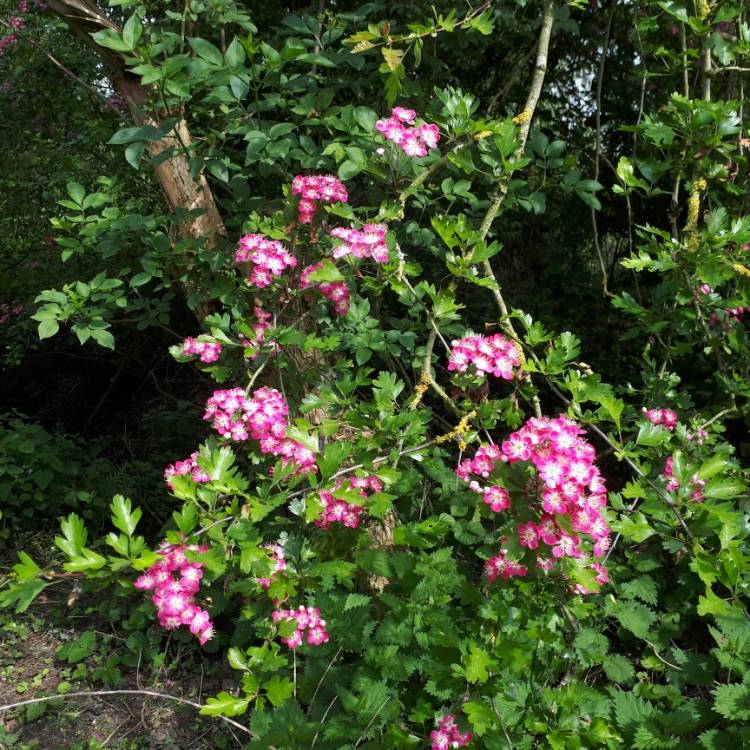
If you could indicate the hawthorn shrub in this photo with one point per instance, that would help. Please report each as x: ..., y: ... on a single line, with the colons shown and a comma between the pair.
x: 418, y: 518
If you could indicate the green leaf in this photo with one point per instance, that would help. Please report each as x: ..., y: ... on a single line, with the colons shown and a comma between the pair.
x: 365, y: 118
x: 733, y: 701
x: 103, y: 338
x: 235, y: 54
x: 726, y: 488
x: 354, y: 601
x: 140, y: 279
x: 279, y: 690
x: 132, y: 31
x: 635, y: 617
x: 77, y: 192
x: 206, y: 51
x: 348, y: 169
x: 79, y: 649
x: 123, y: 517
x: 110, y: 39
x: 316, y: 59
x: 476, y: 664
x: 652, y: 434
x: 74, y: 536
x: 237, y: 660
x: 225, y: 704
x: 634, y: 527
x: 327, y: 272
x: 618, y: 668
x: 48, y: 328
x: 134, y: 153
x: 481, y: 716
x: 21, y: 595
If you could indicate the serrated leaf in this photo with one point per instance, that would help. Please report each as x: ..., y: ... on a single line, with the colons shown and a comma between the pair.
x: 225, y: 704
x: 392, y: 57
x: 618, y: 668
x: 123, y: 516
x: 356, y: 600
x: 279, y: 690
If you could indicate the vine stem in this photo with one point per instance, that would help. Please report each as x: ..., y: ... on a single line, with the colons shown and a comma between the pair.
x: 97, y: 693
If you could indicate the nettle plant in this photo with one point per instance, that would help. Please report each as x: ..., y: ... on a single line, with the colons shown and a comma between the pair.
x: 399, y: 527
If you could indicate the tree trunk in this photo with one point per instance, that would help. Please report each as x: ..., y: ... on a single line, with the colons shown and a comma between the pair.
x: 180, y: 189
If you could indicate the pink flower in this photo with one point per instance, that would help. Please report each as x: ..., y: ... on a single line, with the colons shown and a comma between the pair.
x: 528, y: 535
x: 571, y: 486
x: 413, y: 141
x: 187, y: 467
x: 696, y: 485
x: 500, y: 567
x: 335, y: 291
x: 316, y: 189
x: 369, y: 242
x: 490, y: 355
x: 207, y: 351
x: 447, y: 735
x: 174, y: 597
x: 340, y: 511
x: 665, y: 417
x: 498, y: 498
x: 306, y: 619
x: 268, y: 257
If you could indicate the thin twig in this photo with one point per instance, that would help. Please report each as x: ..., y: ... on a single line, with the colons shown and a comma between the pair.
x: 320, y: 682
x: 99, y: 693
x: 375, y: 715
x: 69, y: 73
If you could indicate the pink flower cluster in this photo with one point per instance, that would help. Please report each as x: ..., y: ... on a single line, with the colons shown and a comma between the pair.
x: 340, y: 511
x: 207, y: 351
x: 733, y: 314
x: 7, y: 311
x: 276, y: 552
x: 493, y: 355
x: 413, y: 141
x: 335, y: 291
x: 262, y: 417
x: 268, y: 257
x: 665, y: 417
x: 260, y: 327
x: 174, y: 595
x: 315, y: 189
x: 7, y: 42
x: 500, y: 566
x: 571, y: 486
x: 696, y: 493
x: 369, y: 242
x: 447, y: 735
x: 602, y: 578
x: 307, y: 619
x: 188, y: 466
x: 698, y: 437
